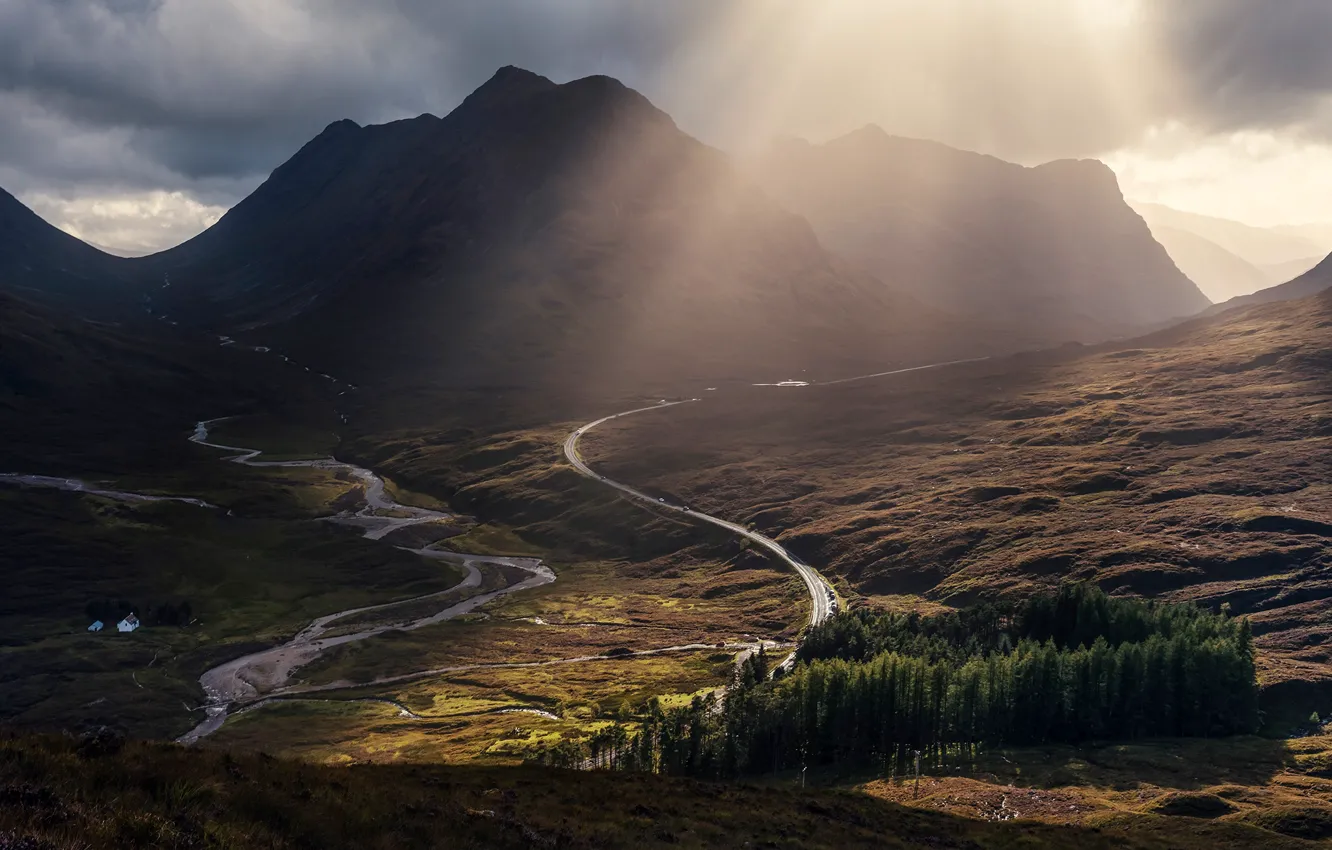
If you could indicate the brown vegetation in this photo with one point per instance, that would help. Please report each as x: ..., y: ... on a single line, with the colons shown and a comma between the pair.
x: 1192, y: 464
x: 57, y: 794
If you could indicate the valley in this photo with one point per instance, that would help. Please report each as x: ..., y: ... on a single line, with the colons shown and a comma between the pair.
x: 543, y: 475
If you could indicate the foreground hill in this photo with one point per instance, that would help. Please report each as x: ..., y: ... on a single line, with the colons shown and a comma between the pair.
x: 96, y: 793
x: 1192, y: 464
x: 1053, y: 248
x: 540, y: 235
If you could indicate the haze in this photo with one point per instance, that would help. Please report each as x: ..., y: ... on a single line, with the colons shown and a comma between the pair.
x: 135, y: 123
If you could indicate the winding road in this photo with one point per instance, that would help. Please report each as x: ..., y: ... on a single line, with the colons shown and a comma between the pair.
x: 823, y: 600
x: 256, y: 679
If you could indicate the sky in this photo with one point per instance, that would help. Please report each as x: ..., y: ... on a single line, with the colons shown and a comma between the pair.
x: 135, y: 124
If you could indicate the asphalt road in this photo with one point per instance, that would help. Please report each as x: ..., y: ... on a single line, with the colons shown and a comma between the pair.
x: 823, y: 600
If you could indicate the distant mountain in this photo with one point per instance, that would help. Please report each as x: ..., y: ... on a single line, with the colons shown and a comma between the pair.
x: 1053, y: 247
x: 539, y: 235
x: 1259, y: 246
x: 43, y: 263
x: 1287, y: 271
x: 1219, y: 273
x: 1316, y: 280
x: 1319, y: 233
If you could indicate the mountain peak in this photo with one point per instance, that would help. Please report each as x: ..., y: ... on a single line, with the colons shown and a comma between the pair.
x: 869, y: 131
x: 1089, y: 170
x: 510, y: 81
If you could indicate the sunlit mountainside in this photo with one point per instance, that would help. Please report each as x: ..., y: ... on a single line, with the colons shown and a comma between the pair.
x: 1052, y: 249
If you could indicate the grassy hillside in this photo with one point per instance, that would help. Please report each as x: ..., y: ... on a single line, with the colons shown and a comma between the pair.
x: 1192, y: 465
x: 251, y: 578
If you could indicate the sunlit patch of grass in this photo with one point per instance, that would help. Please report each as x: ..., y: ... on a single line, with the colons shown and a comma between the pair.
x: 482, y: 713
x: 249, y: 582
x: 1276, y: 785
x: 492, y: 539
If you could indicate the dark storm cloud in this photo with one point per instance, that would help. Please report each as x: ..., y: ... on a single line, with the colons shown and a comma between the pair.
x: 205, y: 89
x: 207, y: 96
x: 1251, y: 63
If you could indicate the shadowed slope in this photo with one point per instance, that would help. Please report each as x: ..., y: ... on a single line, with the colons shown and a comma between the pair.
x: 40, y: 262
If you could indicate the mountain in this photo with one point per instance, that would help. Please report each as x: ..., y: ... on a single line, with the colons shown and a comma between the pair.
x: 1259, y: 246
x: 1219, y: 273
x: 1316, y: 280
x: 1319, y: 233
x: 1053, y: 247
x: 540, y: 235
x: 78, y: 395
x: 43, y: 263
x: 1289, y: 270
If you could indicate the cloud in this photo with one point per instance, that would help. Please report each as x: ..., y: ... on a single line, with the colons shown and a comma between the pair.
x: 1254, y: 176
x: 205, y: 97
x: 130, y: 224
x: 1247, y: 65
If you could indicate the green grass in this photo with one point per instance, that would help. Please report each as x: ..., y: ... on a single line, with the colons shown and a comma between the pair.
x: 250, y: 582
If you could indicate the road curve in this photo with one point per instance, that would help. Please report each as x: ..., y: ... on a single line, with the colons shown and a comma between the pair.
x: 822, y: 598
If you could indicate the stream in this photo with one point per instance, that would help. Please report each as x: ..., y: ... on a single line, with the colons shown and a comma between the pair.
x: 265, y: 674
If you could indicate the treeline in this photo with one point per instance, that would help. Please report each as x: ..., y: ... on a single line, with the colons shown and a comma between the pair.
x: 1064, y: 667
x: 1074, y: 615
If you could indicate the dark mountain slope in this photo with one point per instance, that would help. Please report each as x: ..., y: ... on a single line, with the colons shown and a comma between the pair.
x: 41, y: 262
x: 1053, y: 247
x: 1315, y: 280
x: 540, y: 235
x: 79, y: 396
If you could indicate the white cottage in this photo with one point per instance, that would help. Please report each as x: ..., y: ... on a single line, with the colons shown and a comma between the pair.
x: 96, y: 626
x: 128, y: 624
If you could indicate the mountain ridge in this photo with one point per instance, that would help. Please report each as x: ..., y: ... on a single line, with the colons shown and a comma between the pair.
x: 1053, y: 246
x: 46, y: 264
x: 574, y: 218
x: 1313, y: 282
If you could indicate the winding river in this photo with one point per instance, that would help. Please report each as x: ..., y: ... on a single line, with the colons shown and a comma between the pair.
x: 261, y: 675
